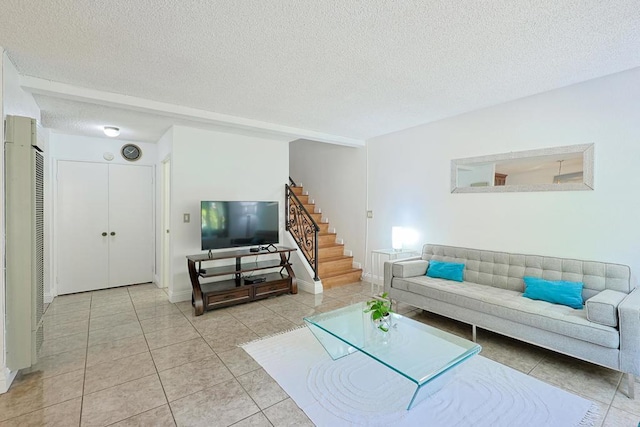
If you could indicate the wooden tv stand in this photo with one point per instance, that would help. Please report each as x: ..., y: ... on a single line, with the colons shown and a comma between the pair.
x: 210, y: 295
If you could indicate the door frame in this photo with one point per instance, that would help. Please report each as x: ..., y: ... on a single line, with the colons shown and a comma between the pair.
x: 165, y: 224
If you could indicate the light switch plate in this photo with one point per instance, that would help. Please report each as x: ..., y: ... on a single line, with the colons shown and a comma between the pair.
x: 369, y: 214
x: 186, y: 217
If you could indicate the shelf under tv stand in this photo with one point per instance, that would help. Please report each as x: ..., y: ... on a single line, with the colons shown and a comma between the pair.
x: 210, y: 295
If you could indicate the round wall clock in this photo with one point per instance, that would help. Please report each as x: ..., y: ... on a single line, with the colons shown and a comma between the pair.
x: 131, y: 152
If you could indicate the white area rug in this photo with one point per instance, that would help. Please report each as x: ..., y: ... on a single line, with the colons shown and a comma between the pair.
x: 356, y: 390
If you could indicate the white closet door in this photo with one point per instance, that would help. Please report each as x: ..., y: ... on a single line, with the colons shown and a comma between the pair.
x: 82, y: 212
x: 131, y: 219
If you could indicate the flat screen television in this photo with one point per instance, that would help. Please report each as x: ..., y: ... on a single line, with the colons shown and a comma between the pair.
x: 227, y: 224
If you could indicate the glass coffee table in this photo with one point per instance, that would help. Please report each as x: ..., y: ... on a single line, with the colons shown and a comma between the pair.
x: 423, y: 354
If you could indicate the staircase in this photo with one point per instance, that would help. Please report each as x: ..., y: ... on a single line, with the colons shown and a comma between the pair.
x: 334, y: 267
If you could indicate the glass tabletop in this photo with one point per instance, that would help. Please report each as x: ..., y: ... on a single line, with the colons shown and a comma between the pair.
x: 417, y: 351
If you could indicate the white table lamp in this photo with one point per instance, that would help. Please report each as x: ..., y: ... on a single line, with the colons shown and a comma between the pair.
x: 397, y: 234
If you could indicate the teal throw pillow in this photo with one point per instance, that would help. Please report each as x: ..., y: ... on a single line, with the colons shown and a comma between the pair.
x: 556, y: 292
x: 445, y: 270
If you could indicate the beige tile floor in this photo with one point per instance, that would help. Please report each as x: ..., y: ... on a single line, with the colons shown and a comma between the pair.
x: 128, y: 357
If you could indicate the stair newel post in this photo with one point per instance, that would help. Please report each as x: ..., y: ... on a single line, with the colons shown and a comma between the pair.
x: 286, y: 192
x: 315, y: 253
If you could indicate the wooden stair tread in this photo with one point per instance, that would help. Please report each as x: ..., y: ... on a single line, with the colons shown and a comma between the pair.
x: 330, y: 250
x: 332, y: 245
x: 342, y: 279
x: 335, y: 258
x: 340, y: 273
x: 324, y: 245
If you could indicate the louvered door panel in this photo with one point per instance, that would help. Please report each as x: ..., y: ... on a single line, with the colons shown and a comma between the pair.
x: 38, y: 247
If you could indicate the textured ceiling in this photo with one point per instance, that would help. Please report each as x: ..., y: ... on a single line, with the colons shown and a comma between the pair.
x: 81, y: 118
x: 356, y: 69
x: 86, y: 118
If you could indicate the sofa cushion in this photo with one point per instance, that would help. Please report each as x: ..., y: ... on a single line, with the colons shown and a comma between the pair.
x: 554, y: 291
x: 410, y: 268
x: 511, y: 305
x: 603, y: 308
x: 445, y: 270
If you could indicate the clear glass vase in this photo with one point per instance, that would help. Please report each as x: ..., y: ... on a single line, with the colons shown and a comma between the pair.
x: 383, y: 324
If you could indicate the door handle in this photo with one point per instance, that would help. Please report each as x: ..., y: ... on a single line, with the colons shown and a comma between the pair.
x: 104, y: 233
x: 113, y: 233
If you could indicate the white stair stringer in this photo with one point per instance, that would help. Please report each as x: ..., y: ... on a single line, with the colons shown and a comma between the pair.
x: 303, y: 271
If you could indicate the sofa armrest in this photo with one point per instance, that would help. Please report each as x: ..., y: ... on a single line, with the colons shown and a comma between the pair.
x: 629, y: 317
x: 603, y: 307
x: 410, y: 268
x: 389, y: 269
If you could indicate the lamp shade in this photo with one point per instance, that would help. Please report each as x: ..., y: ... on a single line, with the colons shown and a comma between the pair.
x: 397, y: 234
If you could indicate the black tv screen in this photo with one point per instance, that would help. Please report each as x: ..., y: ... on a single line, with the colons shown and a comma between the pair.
x: 226, y: 224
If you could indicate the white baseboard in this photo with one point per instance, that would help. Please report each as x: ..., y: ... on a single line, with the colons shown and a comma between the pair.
x: 312, y: 288
x: 48, y: 298
x: 6, y: 379
x: 158, y: 284
x: 179, y: 296
x: 356, y: 265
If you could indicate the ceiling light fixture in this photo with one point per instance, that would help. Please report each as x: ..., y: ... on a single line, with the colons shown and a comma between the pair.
x: 111, y: 131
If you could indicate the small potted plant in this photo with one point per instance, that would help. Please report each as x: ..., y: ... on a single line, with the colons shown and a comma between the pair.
x: 380, y: 309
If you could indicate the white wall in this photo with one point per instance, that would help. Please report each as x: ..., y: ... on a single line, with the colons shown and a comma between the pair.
x: 211, y: 165
x: 15, y: 102
x: 5, y: 380
x: 91, y: 149
x: 409, y: 176
x: 335, y: 177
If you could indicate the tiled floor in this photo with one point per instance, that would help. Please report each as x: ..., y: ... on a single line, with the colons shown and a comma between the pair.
x: 128, y: 357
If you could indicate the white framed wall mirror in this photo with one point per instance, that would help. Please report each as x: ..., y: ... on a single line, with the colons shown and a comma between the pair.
x: 568, y: 168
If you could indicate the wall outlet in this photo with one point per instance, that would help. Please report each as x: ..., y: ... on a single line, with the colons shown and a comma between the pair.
x: 186, y: 217
x: 369, y: 214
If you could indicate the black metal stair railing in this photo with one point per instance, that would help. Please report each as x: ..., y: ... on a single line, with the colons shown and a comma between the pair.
x: 302, y: 227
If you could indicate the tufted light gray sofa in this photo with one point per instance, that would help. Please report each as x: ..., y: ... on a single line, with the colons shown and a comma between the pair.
x: 605, y: 332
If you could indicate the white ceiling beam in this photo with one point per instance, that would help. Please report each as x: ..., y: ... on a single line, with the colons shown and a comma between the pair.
x: 40, y: 86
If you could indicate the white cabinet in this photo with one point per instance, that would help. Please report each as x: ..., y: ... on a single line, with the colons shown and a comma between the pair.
x: 104, y: 226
